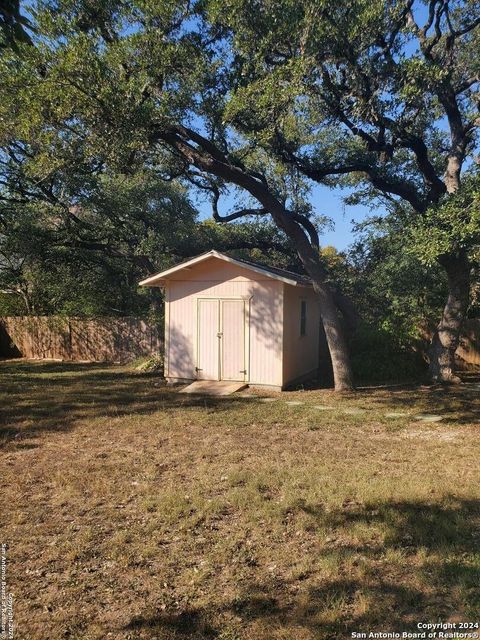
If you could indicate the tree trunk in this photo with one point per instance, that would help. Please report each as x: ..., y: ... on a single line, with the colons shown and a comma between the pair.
x: 446, y: 338
x: 336, y: 340
x: 332, y: 322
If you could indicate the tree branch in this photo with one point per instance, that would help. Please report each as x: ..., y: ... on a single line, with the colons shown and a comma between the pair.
x: 241, y: 213
x: 400, y: 188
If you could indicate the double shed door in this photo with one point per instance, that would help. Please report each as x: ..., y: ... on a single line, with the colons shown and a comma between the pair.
x: 222, y: 339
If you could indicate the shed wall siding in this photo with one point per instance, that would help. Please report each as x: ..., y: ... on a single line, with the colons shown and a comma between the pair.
x: 216, y: 279
x: 300, y: 353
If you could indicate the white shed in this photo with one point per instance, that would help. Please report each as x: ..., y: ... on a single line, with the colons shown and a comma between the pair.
x: 230, y: 319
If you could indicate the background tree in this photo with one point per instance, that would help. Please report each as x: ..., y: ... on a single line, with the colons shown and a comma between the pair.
x: 451, y: 228
x: 398, y: 298
x: 83, y: 253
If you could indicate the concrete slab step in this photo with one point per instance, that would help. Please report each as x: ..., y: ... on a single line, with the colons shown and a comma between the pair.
x: 214, y: 387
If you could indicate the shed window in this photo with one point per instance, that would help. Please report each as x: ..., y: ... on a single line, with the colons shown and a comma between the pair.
x: 303, y: 317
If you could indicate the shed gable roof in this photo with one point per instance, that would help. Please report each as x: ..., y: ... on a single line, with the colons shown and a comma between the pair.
x: 271, y: 272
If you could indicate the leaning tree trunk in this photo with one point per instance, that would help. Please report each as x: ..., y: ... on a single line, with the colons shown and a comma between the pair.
x: 329, y: 311
x: 335, y: 334
x: 446, y: 338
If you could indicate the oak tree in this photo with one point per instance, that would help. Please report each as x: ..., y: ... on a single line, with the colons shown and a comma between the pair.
x: 381, y: 96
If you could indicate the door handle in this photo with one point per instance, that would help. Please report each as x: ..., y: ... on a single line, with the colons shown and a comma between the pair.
x: 219, y: 334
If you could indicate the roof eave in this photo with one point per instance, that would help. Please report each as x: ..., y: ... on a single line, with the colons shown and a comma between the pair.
x: 153, y: 281
x: 160, y: 279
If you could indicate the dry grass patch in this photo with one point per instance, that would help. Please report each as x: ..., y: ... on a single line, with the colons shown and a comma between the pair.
x: 132, y: 512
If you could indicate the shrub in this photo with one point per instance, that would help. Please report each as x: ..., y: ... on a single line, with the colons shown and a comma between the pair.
x: 378, y: 356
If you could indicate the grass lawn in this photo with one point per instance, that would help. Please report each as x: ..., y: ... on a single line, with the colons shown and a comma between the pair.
x: 131, y: 511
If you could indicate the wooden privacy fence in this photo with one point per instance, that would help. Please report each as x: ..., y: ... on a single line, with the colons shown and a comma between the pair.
x: 113, y: 339
x: 469, y: 348
x: 103, y: 339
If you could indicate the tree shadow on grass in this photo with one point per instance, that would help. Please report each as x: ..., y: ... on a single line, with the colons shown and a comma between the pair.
x: 52, y: 397
x: 427, y: 568
x: 456, y: 404
x: 190, y: 624
x: 50, y: 367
